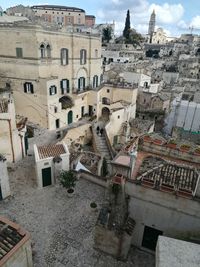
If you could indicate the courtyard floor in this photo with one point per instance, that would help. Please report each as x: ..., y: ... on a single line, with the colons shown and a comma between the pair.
x: 61, y: 227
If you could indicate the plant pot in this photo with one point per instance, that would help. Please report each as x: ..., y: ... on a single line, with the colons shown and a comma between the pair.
x: 157, y: 142
x: 184, y: 148
x: 171, y: 145
x: 70, y: 192
x: 147, y: 139
x: 197, y: 152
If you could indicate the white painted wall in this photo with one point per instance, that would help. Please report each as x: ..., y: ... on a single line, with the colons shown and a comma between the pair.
x: 48, y: 162
x: 4, y: 180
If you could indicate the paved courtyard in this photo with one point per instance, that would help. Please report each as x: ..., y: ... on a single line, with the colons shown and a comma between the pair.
x: 61, y: 227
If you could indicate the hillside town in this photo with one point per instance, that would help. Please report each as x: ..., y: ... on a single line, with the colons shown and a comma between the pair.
x: 99, y: 142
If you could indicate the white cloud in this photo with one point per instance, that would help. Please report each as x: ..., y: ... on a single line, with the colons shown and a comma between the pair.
x: 167, y: 15
x: 195, y: 23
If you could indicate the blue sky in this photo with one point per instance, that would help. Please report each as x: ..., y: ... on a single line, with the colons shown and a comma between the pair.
x: 175, y: 16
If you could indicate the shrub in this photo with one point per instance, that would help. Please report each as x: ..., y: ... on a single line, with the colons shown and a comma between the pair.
x: 67, y: 179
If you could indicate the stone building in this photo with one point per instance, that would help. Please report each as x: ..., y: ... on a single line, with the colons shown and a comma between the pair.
x: 50, y: 161
x: 13, y: 139
x: 164, y: 193
x: 49, y: 71
x: 159, y: 37
x: 64, y: 15
x: 15, y: 245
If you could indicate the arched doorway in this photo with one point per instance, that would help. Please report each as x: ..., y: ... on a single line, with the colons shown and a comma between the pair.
x: 105, y: 113
x: 70, y: 117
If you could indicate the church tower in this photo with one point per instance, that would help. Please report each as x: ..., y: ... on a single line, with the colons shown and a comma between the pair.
x: 152, y: 24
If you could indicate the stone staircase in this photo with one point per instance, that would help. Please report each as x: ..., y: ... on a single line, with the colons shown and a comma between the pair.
x: 101, y: 145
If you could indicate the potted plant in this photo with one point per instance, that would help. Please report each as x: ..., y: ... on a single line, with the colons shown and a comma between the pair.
x: 184, y: 148
x: 93, y: 206
x: 171, y: 144
x: 68, y: 180
x: 197, y: 151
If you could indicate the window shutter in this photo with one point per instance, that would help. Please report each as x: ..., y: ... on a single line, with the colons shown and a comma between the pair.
x: 79, y: 83
x: 83, y: 83
x: 61, y: 56
x: 97, y: 81
x: 67, y: 57
x: 85, y: 56
x: 25, y: 89
x: 50, y: 92
x: 61, y: 87
x: 32, y: 91
x: 55, y: 90
x: 94, y: 82
x: 67, y: 86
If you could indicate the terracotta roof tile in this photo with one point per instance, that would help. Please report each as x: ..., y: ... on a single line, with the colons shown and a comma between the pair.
x: 51, y: 151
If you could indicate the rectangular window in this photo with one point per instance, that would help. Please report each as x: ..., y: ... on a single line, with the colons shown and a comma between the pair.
x: 64, y: 85
x: 64, y: 56
x: 28, y: 88
x: 19, y: 52
x: 81, y: 83
x: 53, y: 90
x: 83, y: 56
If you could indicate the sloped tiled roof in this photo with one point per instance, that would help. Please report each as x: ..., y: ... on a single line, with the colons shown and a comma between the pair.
x: 51, y: 151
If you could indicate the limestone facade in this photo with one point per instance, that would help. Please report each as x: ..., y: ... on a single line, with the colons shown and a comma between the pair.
x: 44, y: 65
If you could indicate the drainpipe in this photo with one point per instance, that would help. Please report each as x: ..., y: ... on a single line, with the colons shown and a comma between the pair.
x: 11, y: 140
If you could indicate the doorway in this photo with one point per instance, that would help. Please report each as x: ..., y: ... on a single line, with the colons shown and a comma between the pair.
x: 150, y: 237
x: 57, y: 123
x: 46, y: 177
x: 70, y: 117
x: 90, y: 110
x: 82, y: 111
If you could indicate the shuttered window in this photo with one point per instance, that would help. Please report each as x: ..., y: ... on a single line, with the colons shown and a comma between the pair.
x: 19, y: 52
x: 64, y: 85
x: 83, y: 56
x: 64, y: 54
x: 28, y: 88
x: 52, y: 90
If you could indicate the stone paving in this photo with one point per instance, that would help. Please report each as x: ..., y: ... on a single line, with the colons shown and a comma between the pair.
x: 61, y: 227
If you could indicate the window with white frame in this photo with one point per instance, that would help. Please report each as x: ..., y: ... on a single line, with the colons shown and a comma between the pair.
x: 64, y: 56
x: 64, y: 85
x: 52, y: 90
x: 83, y: 56
x: 28, y: 88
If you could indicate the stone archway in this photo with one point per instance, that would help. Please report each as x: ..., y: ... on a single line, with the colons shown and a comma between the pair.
x: 105, y: 113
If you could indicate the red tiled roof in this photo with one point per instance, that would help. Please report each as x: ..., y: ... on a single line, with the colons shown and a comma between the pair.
x: 51, y: 151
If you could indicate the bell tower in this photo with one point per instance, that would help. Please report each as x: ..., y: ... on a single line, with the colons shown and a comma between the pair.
x: 152, y: 23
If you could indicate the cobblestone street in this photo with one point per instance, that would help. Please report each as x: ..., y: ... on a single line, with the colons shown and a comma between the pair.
x: 61, y: 227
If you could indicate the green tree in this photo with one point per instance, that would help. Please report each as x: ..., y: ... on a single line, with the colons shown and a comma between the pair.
x: 127, y: 27
x: 107, y: 34
x: 67, y: 179
x: 104, y: 168
x: 135, y: 38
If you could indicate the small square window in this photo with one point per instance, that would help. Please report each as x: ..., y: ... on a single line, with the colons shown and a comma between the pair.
x: 118, y: 117
x: 108, y: 90
x: 76, y: 116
